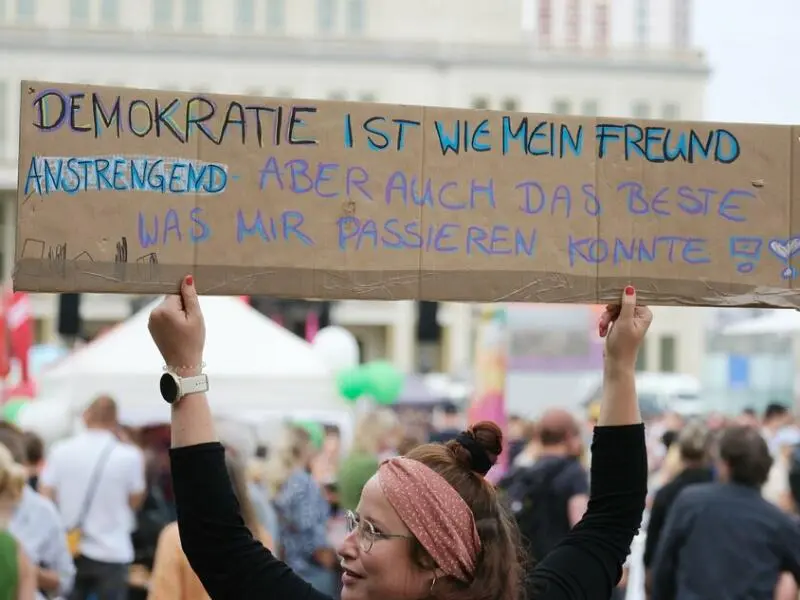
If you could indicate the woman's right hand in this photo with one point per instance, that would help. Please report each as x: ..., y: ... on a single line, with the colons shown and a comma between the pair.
x: 624, y: 327
x: 178, y: 329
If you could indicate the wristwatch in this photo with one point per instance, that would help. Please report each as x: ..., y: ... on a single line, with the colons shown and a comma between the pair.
x: 173, y: 387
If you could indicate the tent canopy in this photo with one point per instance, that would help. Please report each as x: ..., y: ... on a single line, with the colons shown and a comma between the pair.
x: 252, y: 363
x: 778, y: 321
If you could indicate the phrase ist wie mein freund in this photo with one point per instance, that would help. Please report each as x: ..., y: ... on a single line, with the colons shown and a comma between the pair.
x: 264, y: 124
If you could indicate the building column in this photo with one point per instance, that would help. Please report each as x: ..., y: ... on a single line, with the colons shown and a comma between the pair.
x: 402, y: 336
x: 457, y: 319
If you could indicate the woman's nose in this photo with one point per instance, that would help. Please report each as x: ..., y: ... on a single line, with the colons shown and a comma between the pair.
x: 349, y: 547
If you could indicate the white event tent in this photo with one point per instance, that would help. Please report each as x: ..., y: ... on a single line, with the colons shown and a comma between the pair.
x: 776, y: 321
x: 253, y: 365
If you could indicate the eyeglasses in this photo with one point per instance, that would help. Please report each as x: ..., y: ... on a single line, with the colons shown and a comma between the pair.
x: 366, y: 532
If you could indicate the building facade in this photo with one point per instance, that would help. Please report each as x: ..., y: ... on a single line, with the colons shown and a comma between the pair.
x: 591, y: 57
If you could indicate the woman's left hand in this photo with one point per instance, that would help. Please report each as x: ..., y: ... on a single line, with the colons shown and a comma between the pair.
x: 178, y: 329
x: 624, y: 326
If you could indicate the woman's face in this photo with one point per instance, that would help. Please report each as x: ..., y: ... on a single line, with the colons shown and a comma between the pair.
x: 386, y: 570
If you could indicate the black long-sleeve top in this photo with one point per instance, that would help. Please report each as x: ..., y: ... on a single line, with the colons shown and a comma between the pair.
x: 586, y: 565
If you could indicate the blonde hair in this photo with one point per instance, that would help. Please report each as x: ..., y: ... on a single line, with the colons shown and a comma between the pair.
x: 372, y: 430
x: 288, y: 453
x: 12, y: 476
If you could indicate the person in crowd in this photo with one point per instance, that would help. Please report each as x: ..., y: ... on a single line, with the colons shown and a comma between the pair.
x: 428, y: 525
x: 516, y: 437
x: 325, y: 465
x: 38, y: 526
x: 34, y: 451
x: 694, y: 445
x: 527, y: 456
x: 172, y: 577
x: 550, y: 497
x: 240, y: 442
x: 98, y: 484
x: 407, y: 444
x: 302, y: 509
x: 260, y: 495
x: 748, y: 417
x: 777, y: 489
x: 449, y: 424
x: 723, y: 539
x: 17, y: 572
x: 776, y: 417
x: 375, y: 435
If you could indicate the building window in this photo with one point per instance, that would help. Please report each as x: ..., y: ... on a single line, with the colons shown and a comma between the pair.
x: 681, y: 24
x: 641, y: 358
x: 163, y: 13
x: 642, y: 22
x: 26, y: 10
x: 326, y: 15
x: 480, y: 103
x: 245, y: 15
x: 3, y: 118
x: 667, y: 362
x: 355, y: 17
x: 561, y: 107
x: 509, y: 105
x: 109, y: 12
x: 671, y: 112
x: 79, y: 12
x: 574, y: 22
x: 545, y: 25
x: 641, y: 110
x: 193, y: 14
x: 601, y: 24
x: 276, y: 15
x: 589, y: 108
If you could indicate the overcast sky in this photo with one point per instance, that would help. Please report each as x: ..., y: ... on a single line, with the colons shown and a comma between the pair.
x: 753, y: 49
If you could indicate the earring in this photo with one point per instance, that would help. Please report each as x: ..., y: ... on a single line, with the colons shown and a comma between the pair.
x: 433, y: 583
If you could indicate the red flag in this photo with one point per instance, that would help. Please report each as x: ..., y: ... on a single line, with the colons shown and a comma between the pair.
x: 19, y: 320
x: 312, y: 326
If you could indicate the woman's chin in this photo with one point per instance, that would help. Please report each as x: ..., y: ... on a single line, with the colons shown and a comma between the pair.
x: 353, y: 592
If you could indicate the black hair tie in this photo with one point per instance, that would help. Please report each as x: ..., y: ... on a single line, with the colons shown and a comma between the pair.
x: 481, y: 462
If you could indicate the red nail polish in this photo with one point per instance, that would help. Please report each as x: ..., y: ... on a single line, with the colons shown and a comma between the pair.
x: 629, y: 291
x: 190, y: 280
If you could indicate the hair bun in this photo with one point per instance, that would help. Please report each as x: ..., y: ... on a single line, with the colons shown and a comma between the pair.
x: 479, y: 446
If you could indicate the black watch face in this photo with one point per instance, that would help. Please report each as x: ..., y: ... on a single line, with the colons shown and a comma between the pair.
x: 169, y: 388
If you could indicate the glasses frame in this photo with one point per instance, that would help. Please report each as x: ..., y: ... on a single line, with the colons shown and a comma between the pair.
x: 366, y: 534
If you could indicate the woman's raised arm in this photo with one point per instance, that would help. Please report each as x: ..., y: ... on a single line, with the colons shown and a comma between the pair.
x: 219, y: 547
x: 587, y: 564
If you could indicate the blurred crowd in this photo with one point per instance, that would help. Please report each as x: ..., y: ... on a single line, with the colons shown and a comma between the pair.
x: 96, y: 510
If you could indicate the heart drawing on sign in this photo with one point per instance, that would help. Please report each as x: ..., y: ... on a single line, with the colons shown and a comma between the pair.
x: 785, y: 249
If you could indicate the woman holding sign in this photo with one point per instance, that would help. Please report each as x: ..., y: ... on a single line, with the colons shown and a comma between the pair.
x: 428, y: 526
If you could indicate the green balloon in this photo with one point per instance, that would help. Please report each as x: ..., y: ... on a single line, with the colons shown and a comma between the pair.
x: 384, y: 381
x: 352, y: 383
x: 11, y: 409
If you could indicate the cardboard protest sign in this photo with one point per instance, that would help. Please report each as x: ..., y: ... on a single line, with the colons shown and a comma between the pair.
x: 126, y: 190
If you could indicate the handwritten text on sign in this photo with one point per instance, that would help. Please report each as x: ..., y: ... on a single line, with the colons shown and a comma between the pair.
x: 379, y: 201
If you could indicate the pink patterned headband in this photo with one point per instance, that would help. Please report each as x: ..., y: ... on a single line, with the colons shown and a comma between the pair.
x: 435, y: 513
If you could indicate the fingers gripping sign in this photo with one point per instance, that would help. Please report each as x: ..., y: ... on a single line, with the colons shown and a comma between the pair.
x: 178, y: 329
x: 624, y: 326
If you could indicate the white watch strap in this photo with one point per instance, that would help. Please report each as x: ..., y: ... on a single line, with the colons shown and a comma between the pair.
x: 192, y: 385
